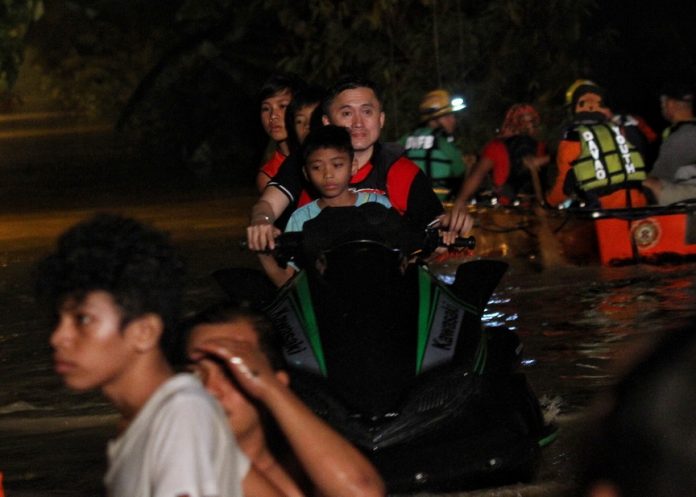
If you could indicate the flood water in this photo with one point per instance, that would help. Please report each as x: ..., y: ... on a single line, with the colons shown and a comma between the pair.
x: 577, y: 323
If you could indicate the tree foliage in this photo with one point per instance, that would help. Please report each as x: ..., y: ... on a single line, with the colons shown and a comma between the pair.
x: 15, y: 18
x: 184, y: 70
x: 92, y: 53
x: 494, y: 52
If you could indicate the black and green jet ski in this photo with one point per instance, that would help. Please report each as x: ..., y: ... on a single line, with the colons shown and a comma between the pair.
x: 395, y: 359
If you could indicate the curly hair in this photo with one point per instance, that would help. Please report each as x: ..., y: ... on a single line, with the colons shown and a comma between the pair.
x: 134, y: 263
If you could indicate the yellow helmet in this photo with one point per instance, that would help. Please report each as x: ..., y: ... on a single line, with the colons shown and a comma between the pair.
x: 438, y: 103
x: 577, y: 84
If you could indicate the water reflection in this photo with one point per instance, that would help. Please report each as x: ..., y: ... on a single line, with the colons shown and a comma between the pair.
x: 575, y: 323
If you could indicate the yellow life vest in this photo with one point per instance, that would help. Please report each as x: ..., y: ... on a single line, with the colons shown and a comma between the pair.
x: 608, y: 161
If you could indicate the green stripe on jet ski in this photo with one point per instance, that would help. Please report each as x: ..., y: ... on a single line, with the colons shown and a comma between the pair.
x: 309, y: 320
x: 481, y: 356
x: 424, y: 317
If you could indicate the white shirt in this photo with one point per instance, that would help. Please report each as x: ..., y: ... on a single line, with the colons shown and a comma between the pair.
x: 178, y: 444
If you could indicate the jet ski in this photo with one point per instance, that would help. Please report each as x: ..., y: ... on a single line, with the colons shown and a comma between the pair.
x: 397, y: 360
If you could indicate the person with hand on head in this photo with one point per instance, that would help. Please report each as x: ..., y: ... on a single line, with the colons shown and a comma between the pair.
x: 431, y: 145
x: 673, y: 176
x: 235, y: 353
x: 114, y: 286
x: 275, y: 96
x: 327, y: 155
x: 354, y: 103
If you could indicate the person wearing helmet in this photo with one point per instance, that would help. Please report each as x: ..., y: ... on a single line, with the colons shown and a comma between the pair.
x: 431, y: 145
x: 596, y: 163
x: 509, y: 157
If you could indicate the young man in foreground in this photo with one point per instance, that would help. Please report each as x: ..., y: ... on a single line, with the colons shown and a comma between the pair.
x: 115, y: 287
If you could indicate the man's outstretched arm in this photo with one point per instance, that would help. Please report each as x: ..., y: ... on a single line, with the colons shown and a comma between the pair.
x: 261, y: 232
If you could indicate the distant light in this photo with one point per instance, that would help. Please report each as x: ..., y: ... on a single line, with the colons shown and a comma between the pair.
x: 458, y: 104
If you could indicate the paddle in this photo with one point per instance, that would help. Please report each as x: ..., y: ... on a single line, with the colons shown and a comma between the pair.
x: 550, y: 248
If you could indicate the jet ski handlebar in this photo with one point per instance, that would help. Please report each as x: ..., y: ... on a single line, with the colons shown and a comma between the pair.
x: 289, y: 244
x: 433, y: 240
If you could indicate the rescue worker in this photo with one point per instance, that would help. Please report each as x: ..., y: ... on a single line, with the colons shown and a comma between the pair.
x: 509, y: 157
x: 431, y: 145
x: 595, y: 162
x: 673, y: 177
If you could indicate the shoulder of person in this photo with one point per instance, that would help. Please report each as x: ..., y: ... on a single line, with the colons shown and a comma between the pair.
x: 387, y: 152
x: 571, y: 133
x: 494, y: 144
x: 685, y: 128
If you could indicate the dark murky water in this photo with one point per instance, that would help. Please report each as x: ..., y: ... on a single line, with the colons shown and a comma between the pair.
x: 574, y: 321
x: 576, y: 324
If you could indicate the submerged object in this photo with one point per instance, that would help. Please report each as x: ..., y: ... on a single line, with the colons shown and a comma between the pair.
x: 397, y: 361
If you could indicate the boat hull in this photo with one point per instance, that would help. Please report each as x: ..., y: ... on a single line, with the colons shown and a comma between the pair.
x: 580, y: 236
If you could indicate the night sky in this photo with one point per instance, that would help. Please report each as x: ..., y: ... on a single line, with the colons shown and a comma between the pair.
x: 656, y: 42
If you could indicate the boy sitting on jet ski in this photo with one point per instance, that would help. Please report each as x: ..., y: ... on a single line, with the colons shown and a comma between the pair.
x: 327, y: 157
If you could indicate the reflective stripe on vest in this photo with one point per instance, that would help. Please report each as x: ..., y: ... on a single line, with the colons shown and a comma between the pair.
x: 607, y: 159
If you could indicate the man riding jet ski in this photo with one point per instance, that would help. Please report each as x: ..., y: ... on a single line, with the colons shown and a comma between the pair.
x: 396, y: 360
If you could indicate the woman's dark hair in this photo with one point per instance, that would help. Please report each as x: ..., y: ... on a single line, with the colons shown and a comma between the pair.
x: 279, y: 83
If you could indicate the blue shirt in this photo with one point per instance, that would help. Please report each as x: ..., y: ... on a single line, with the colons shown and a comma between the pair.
x: 312, y: 209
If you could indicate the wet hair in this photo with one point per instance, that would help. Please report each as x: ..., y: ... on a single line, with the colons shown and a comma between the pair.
x: 513, y: 123
x: 134, y: 263
x: 329, y: 136
x: 349, y: 82
x: 644, y: 445
x: 279, y: 83
x: 229, y: 313
x: 309, y: 95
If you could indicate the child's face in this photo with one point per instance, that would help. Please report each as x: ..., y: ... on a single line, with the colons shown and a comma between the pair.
x: 359, y: 111
x: 273, y: 115
x: 329, y: 170
x: 302, y: 119
x: 90, y: 347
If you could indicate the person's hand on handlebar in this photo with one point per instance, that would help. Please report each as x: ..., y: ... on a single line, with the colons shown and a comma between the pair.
x: 457, y: 222
x: 261, y: 233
